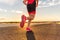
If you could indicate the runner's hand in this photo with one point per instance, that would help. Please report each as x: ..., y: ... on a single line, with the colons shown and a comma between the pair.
x: 36, y: 5
x: 24, y: 2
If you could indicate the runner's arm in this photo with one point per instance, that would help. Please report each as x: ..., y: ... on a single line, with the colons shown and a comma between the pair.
x: 24, y: 1
x: 36, y: 3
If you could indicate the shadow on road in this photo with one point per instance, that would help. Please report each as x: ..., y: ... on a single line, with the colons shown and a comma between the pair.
x: 30, y: 35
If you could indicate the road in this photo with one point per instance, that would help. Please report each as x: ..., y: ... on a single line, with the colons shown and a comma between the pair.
x: 39, y: 32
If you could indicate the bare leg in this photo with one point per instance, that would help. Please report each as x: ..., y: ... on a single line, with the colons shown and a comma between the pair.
x: 30, y: 18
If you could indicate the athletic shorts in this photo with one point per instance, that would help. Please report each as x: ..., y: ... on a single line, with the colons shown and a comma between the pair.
x: 31, y: 8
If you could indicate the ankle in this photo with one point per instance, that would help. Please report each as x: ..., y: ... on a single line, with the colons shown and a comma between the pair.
x: 28, y: 29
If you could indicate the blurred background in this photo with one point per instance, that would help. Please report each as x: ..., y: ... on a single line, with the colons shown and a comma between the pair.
x: 47, y: 10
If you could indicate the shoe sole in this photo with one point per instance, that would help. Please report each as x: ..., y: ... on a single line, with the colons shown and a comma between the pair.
x: 22, y: 22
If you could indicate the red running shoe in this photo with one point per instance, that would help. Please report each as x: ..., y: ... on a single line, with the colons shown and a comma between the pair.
x: 28, y: 29
x: 23, y: 20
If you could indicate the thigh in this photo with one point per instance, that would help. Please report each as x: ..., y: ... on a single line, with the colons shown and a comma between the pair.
x: 32, y: 16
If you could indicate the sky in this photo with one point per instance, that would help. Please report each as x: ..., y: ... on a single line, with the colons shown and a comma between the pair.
x: 12, y: 10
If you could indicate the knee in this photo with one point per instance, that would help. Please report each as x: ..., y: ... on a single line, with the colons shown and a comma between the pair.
x: 31, y: 18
